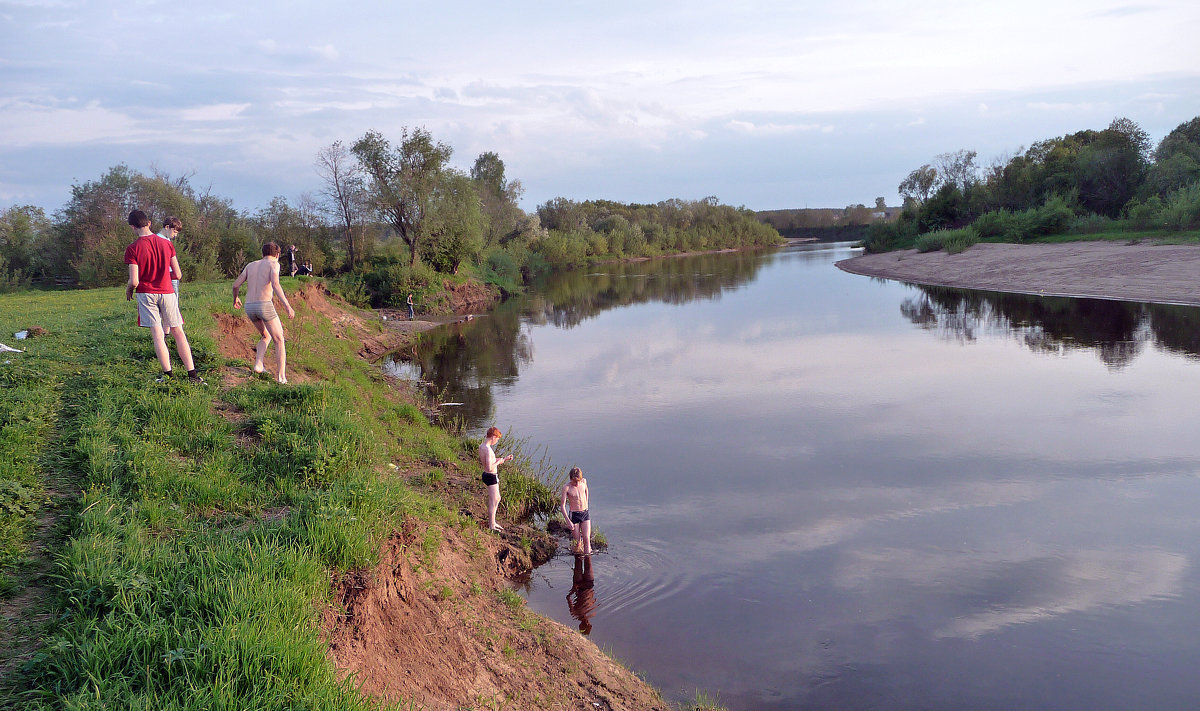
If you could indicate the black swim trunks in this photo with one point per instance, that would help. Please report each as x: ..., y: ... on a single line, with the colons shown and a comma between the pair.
x: 580, y: 516
x: 490, y: 478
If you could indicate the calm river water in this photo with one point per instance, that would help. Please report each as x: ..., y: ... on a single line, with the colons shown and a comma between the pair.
x: 824, y: 491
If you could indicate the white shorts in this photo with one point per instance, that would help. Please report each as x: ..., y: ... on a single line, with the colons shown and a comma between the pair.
x: 159, y: 310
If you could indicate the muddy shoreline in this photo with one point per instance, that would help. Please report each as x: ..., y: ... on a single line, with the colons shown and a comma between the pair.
x: 1145, y: 272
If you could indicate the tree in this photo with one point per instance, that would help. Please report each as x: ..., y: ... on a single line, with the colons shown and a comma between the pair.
x: 957, y: 169
x: 880, y: 203
x: 455, y: 224
x: 498, y: 196
x: 343, y: 192
x: 24, y: 238
x: 403, y: 180
x: 919, y: 184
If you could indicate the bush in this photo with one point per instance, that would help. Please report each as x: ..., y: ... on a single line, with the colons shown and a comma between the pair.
x: 1182, y: 208
x: 1090, y: 225
x: 1052, y: 218
x: 953, y: 241
x: 996, y: 223
x: 886, y: 236
x: 1145, y: 215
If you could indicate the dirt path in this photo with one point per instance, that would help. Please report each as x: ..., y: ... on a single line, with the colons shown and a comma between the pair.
x: 1165, y: 274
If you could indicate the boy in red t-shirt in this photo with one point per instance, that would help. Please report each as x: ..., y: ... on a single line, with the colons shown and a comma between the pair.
x: 152, y: 262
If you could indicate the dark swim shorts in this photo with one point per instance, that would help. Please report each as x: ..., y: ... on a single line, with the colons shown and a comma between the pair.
x: 580, y: 516
x: 490, y: 479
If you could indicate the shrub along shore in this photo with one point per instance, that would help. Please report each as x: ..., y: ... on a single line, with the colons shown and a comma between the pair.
x: 172, y: 546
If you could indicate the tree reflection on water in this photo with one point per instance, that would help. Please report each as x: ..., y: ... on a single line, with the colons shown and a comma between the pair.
x: 465, y: 361
x: 1117, y: 331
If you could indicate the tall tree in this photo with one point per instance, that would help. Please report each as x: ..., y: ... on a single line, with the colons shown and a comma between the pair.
x: 919, y: 184
x: 499, y: 197
x: 403, y: 180
x: 343, y: 192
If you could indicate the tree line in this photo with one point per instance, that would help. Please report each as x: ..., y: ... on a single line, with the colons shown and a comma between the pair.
x: 1111, y: 180
x: 388, y: 216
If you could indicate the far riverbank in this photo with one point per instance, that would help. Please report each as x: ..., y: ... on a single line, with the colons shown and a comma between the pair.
x: 1164, y: 274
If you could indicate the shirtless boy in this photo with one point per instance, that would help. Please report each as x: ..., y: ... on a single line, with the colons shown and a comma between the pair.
x: 262, y: 281
x: 575, y: 509
x: 491, y: 473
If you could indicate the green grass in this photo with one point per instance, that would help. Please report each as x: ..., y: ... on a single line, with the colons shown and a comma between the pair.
x: 193, y: 550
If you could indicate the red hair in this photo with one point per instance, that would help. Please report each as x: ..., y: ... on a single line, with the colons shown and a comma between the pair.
x: 493, y: 432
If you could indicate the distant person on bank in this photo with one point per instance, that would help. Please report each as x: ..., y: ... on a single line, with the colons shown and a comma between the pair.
x: 152, y: 262
x: 491, y: 473
x: 262, y: 282
x: 171, y: 228
x: 574, y: 506
x: 411, y: 313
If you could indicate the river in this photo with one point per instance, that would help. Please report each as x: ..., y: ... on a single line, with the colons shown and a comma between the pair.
x: 824, y: 491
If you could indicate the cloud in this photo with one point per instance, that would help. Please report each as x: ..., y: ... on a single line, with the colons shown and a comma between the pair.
x: 775, y: 128
x: 1046, y: 583
x: 213, y: 112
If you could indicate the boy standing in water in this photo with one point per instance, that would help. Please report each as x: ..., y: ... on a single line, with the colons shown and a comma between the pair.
x: 575, y: 509
x: 262, y: 281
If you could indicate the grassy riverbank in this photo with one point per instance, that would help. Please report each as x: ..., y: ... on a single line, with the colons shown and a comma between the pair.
x: 173, y: 546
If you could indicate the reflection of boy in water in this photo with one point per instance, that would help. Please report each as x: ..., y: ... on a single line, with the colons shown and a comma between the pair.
x: 584, y: 602
x: 575, y: 508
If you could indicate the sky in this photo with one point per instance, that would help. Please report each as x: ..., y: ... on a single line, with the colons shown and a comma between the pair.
x: 763, y: 104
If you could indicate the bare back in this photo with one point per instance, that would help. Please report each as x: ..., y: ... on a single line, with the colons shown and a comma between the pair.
x: 261, y: 276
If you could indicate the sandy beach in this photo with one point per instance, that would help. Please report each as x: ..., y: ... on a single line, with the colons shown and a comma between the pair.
x: 1165, y: 274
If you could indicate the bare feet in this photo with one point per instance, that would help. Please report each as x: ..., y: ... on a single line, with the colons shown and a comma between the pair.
x: 258, y: 369
x: 281, y: 380
x: 497, y: 528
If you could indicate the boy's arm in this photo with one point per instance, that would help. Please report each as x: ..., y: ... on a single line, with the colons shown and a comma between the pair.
x: 278, y: 289
x: 175, y: 268
x: 132, y: 283
x: 237, y: 285
x: 566, y: 510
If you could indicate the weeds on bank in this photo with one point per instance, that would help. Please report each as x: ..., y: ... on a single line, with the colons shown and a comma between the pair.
x: 703, y: 702
x: 178, y: 587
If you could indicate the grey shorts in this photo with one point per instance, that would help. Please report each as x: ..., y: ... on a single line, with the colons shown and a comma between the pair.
x: 159, y: 310
x: 261, y: 311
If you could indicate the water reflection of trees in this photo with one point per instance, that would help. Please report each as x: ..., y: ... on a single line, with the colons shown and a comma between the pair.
x: 566, y: 300
x: 1116, y: 330
x: 465, y: 361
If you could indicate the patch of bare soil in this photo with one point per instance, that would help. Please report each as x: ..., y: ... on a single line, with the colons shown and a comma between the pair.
x: 1102, y: 270
x: 429, y: 626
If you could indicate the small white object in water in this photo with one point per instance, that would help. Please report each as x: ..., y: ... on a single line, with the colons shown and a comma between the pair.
x: 9, y: 349
x: 21, y: 335
x: 385, y: 317
x: 449, y: 404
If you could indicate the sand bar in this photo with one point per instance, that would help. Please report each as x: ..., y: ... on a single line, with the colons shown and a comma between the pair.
x: 1164, y: 274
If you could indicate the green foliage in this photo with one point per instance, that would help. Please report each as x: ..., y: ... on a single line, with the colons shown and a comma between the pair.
x: 953, y: 241
x: 201, y: 550
x: 1181, y: 210
x: 887, y: 236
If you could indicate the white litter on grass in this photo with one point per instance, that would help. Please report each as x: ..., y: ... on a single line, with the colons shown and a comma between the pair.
x: 21, y: 335
x: 9, y: 349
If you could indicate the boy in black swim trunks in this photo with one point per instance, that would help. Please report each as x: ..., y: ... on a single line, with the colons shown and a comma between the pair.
x: 491, y: 473
x: 575, y: 509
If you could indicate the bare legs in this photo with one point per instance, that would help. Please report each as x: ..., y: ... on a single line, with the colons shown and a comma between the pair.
x: 271, y: 330
x: 581, y: 537
x: 182, y: 347
x: 493, y: 504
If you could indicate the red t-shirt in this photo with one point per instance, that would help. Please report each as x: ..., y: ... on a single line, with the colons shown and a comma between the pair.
x: 152, y: 255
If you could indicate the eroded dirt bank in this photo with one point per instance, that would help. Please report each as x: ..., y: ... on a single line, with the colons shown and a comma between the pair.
x: 1168, y: 274
x: 432, y: 625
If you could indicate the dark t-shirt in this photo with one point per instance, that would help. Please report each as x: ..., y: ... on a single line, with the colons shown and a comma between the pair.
x: 152, y: 255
